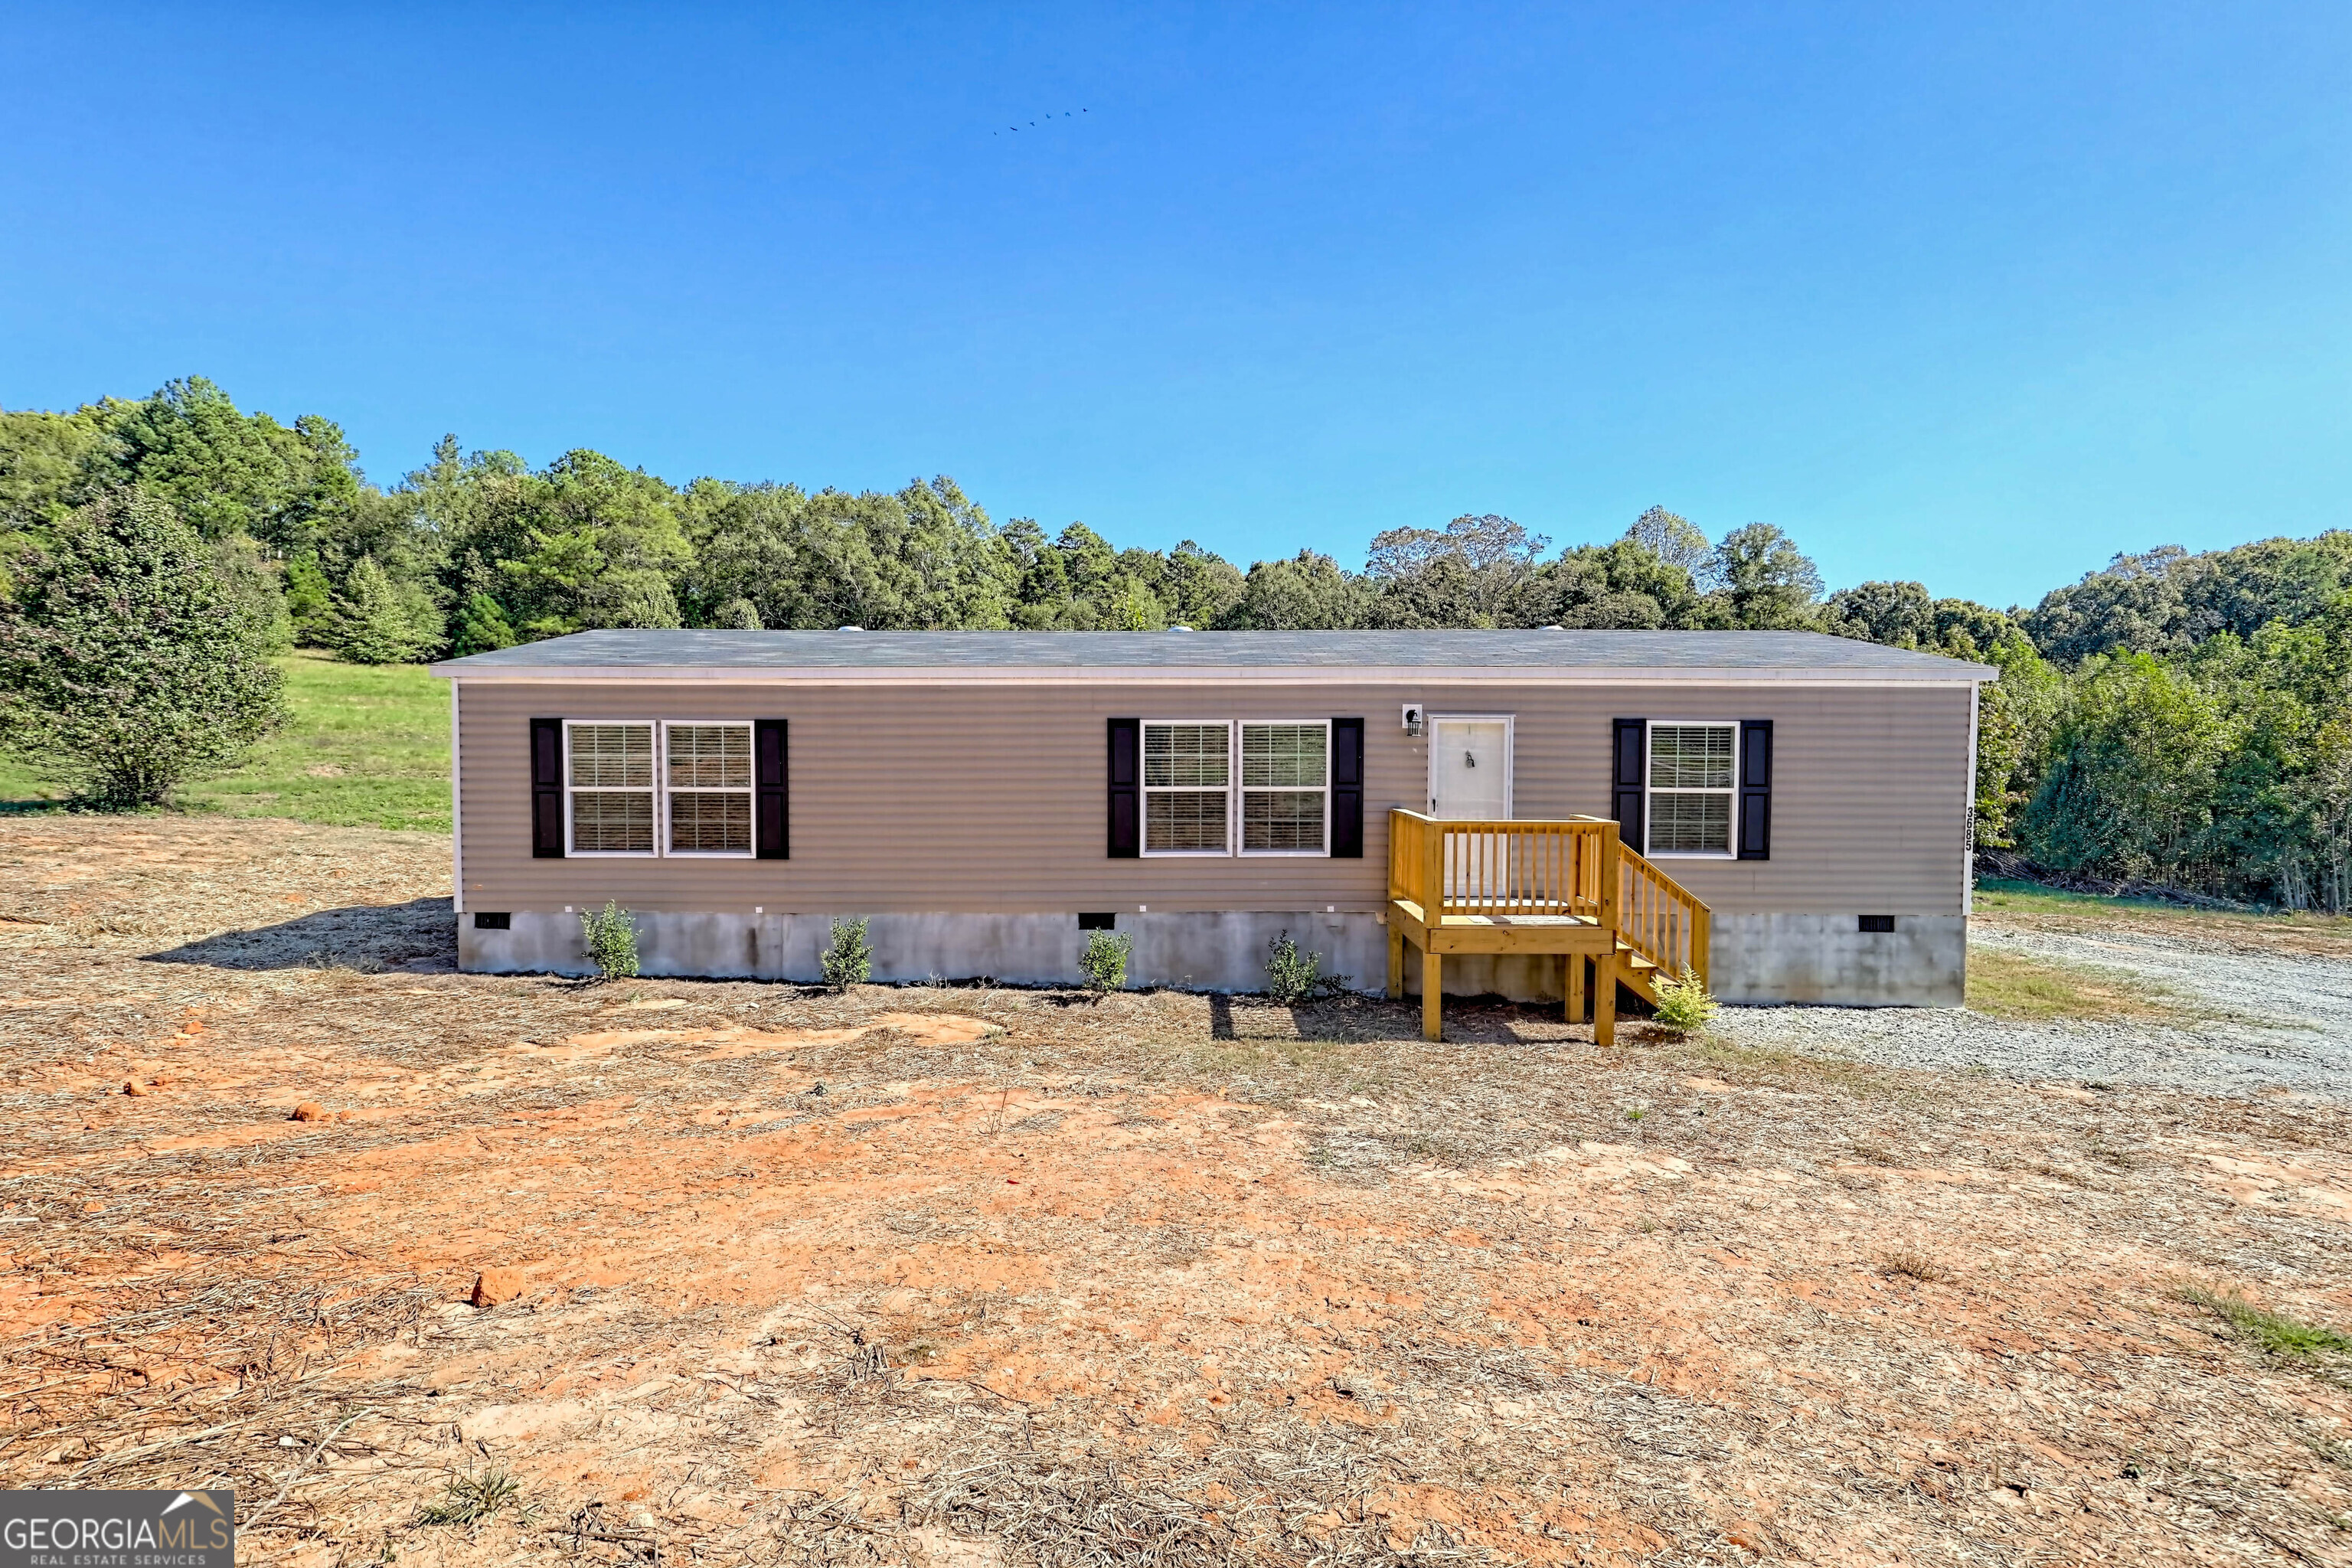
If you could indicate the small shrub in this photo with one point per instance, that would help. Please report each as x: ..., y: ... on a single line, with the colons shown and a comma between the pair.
x: 471, y: 1499
x: 1104, y: 960
x: 1295, y: 975
x: 848, y: 959
x: 1684, y: 1006
x: 1909, y: 1265
x: 611, y: 937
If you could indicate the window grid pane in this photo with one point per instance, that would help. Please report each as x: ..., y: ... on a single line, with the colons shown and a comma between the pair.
x: 1177, y: 820
x: 710, y: 821
x: 613, y: 822
x: 1275, y: 756
x: 710, y: 756
x: 1186, y: 756
x: 612, y: 756
x: 1690, y: 824
x: 1281, y: 820
x: 1690, y: 756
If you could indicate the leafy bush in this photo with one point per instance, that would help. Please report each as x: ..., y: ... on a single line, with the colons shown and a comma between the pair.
x: 1293, y: 974
x: 1684, y: 1006
x: 848, y: 959
x: 612, y: 935
x: 1104, y: 961
x: 127, y: 662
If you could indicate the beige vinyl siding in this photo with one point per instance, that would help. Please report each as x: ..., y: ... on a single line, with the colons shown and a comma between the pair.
x: 991, y: 798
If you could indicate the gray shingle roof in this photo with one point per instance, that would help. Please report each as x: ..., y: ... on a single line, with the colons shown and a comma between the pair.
x: 647, y: 652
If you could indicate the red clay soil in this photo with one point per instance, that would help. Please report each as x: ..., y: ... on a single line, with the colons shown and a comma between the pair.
x: 438, y: 1268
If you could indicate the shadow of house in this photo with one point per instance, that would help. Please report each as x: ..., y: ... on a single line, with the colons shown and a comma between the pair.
x: 419, y: 936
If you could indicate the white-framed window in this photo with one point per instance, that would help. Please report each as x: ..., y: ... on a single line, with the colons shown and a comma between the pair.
x: 642, y: 787
x: 608, y: 787
x: 1285, y: 804
x: 708, y: 776
x: 1187, y: 788
x: 1221, y: 786
x: 1693, y: 778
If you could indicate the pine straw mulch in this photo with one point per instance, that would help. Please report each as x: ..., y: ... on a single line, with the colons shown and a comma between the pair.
x: 955, y: 1275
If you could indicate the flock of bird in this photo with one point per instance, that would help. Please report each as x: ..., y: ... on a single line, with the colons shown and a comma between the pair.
x: 1035, y: 123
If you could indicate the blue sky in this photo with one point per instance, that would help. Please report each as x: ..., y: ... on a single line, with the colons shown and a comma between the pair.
x: 1973, y: 294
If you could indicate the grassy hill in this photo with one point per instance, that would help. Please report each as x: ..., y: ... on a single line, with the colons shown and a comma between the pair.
x: 369, y: 747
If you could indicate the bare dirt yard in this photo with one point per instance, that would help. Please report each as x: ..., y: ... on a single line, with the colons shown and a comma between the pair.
x: 971, y: 1275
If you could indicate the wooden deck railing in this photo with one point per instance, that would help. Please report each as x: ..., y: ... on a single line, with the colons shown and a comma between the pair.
x: 1478, y: 868
x: 1574, y: 866
x: 1658, y: 918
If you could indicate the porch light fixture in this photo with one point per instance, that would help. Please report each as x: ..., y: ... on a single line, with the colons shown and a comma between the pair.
x: 1413, y: 717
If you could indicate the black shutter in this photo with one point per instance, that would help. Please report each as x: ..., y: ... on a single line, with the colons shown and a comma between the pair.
x: 1756, y: 789
x: 770, y: 799
x: 547, y: 789
x: 1346, y: 789
x: 1630, y: 777
x: 1126, y: 790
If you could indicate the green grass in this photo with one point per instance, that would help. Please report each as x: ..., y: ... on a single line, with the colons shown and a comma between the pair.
x: 2273, y: 1333
x: 2010, y: 985
x: 1999, y: 897
x: 2033, y: 899
x: 368, y: 747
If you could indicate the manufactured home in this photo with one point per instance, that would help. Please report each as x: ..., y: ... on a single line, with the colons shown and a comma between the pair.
x: 1547, y: 815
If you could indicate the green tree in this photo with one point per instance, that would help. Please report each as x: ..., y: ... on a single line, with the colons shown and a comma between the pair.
x: 480, y: 626
x: 1198, y: 587
x: 226, y: 471
x: 259, y: 584
x: 1306, y: 593
x: 584, y: 543
x: 922, y: 559
x: 1765, y: 581
x: 44, y: 460
x: 309, y: 601
x: 2135, y: 773
x: 1674, y: 539
x: 378, y: 621
x: 128, y: 663
x: 1618, y: 586
x: 2016, y: 719
x: 1460, y: 575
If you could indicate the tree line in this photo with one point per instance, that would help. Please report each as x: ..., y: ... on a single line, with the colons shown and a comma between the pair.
x: 2180, y: 719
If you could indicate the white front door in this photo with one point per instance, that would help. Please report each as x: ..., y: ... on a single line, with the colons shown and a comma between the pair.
x: 1470, y: 781
x: 1470, y: 770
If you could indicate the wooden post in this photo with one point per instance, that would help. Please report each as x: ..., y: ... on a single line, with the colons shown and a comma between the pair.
x: 1433, y: 875
x: 1604, y: 1000
x: 1574, y: 987
x: 1604, y: 971
x: 1432, y: 988
x: 1701, y: 944
x: 1396, y: 957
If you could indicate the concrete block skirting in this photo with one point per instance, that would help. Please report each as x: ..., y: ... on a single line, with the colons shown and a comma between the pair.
x: 1829, y: 961
x: 1220, y: 952
x: 1755, y: 958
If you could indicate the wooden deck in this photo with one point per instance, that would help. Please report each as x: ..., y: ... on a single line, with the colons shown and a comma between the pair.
x: 1564, y: 887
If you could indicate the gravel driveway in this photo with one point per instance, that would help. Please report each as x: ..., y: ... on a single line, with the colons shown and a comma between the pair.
x: 2281, y: 1021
